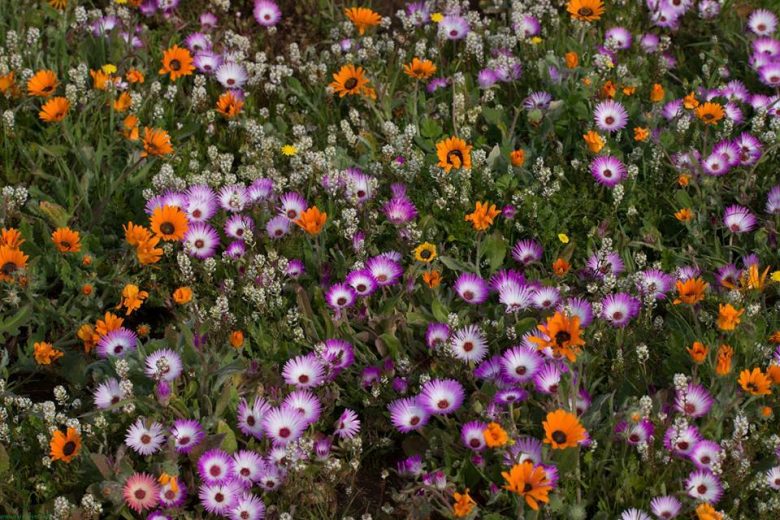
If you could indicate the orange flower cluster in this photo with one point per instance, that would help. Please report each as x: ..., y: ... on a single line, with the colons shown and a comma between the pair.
x: 482, y: 216
x: 12, y: 259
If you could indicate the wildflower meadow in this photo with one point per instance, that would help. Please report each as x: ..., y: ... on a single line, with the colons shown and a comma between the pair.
x: 317, y: 259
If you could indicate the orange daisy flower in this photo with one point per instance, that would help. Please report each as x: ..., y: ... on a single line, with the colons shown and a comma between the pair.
x: 482, y: 216
x: 182, y: 295
x: 729, y: 317
x: 517, y: 157
x: 594, y: 141
x: 529, y: 482
x: 42, y: 84
x: 495, y: 435
x: 156, y: 142
x: 66, y: 240
x: 453, y: 152
x: 11, y: 261
x: 698, y: 352
x: 123, y: 102
x: 45, y: 353
x: 132, y: 298
x: 351, y: 80
x: 363, y: 18
x: 109, y: 322
x: 585, y: 10
x: 312, y: 220
x: 432, y: 278
x: 11, y: 237
x: 463, y: 505
x: 169, y: 222
x: 229, y: 105
x: 723, y: 360
x: 65, y: 446
x: 54, y: 110
x: 755, y: 382
x: 710, y: 113
x: 420, y: 69
x: 563, y: 430
x: 562, y: 335
x: 691, y: 291
x: 130, y: 127
x: 147, y: 251
x: 177, y: 62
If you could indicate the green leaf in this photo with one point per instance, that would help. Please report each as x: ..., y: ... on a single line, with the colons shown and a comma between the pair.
x: 455, y: 265
x: 495, y: 250
x: 11, y: 325
x: 430, y: 129
x: 439, y: 310
x: 229, y: 443
x: 392, y: 343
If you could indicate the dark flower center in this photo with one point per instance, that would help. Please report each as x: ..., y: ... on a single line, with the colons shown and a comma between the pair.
x: 425, y: 254
x: 559, y: 437
x: 520, y: 371
x: 562, y: 337
x: 219, y: 497
x: 139, y: 494
x: 474, y: 443
x: 69, y: 448
x: 701, y: 489
x: 682, y: 445
x: 303, y: 379
x: 167, y: 228
x: 468, y: 346
x: 250, y: 420
x: 245, y: 472
x: 284, y: 433
x: 146, y: 438
x: 633, y: 437
x: 443, y: 404
x: 528, y: 487
x: 468, y: 295
x: 175, y: 65
x: 585, y: 11
x: 215, y: 471
x: 689, y: 408
x: 414, y: 421
x: 351, y: 83
x: 8, y: 268
x: 183, y: 441
x: 705, y: 459
x: 609, y: 120
x: 341, y: 301
x: 456, y: 154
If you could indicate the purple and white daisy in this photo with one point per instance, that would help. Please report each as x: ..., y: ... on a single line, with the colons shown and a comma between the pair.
x: 436, y: 334
x: 295, y: 268
x: 197, y: 42
x: 441, y: 396
x: 248, y: 507
x: 635, y: 433
x: 237, y: 225
x: 773, y: 478
x: 472, y: 435
x: 654, y: 283
x: 602, y: 265
x: 739, y: 219
x: 399, y: 210
x: 773, y: 200
x: 292, y: 204
x: 233, y: 198
x: 201, y: 203
x: 362, y: 282
x: 174, y: 198
x: 304, y: 371
x: 516, y: 297
x: 505, y: 279
x: 283, y: 425
x: 215, y: 466
x: 527, y: 251
x: 694, y: 401
x: 579, y: 307
x: 528, y: 26
x: 620, y: 308
x: 507, y: 396
x: 469, y: 344
x: 520, y: 364
x: 163, y: 364
x: 340, y: 296
x: 548, y: 378
x: 750, y: 149
x: 201, y: 240
x: 706, y: 454
x: 665, y: 507
x: 117, y: 343
x: 524, y: 448
x: 260, y: 190
x: 231, y: 76
x: 634, y: 514
x: 705, y: 486
x: 186, y: 434
x: 649, y: 42
x: 250, y: 418
x: 716, y: 165
x: 487, y: 78
x: 385, y: 271
x: 762, y: 22
x: 277, y: 227
x: 453, y: 27
x: 143, y: 439
x: 537, y: 101
x: 338, y: 354
x: 267, y: 13
x: 219, y: 498
x: 170, y: 497
x: 207, y: 61
x: 108, y: 393
x: 546, y: 298
x: 608, y: 170
x: 769, y: 74
x: 348, y: 424
x: 270, y: 478
x: 618, y: 38
x: 306, y: 403
x: 419, y: 13
x: 610, y: 116
x: 246, y: 467
x: 408, y: 415
x: 471, y: 288
x: 235, y: 249
x: 681, y: 441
